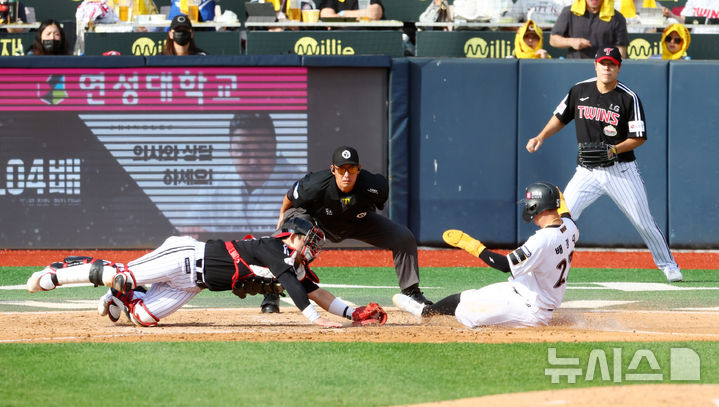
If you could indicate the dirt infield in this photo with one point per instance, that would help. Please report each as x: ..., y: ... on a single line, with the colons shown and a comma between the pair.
x: 568, y: 325
x: 248, y: 324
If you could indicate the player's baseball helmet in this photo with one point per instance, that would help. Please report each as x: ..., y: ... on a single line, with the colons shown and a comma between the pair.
x: 539, y: 197
x: 303, y: 224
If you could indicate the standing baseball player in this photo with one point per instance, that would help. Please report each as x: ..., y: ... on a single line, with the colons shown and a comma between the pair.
x: 610, y: 124
x: 343, y: 199
x: 182, y: 267
x: 539, y: 270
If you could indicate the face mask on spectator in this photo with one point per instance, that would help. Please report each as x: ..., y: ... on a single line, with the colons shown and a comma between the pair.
x: 51, y: 46
x: 182, y: 37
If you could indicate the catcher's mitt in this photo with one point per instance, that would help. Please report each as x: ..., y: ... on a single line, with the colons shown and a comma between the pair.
x: 597, y: 154
x: 254, y: 284
x: 370, y: 314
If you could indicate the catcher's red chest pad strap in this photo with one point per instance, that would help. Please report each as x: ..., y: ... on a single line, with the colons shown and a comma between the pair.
x: 237, y: 260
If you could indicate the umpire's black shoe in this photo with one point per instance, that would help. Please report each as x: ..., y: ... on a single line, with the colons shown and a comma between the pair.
x: 414, y: 293
x: 271, y: 304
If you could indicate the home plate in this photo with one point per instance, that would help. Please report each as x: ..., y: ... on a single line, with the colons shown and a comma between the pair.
x: 592, y: 303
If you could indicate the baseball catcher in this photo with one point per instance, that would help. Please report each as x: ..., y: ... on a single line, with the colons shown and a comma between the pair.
x: 182, y: 267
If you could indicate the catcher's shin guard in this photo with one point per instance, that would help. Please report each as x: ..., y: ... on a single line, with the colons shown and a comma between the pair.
x: 139, y: 314
x: 83, y: 269
x: 43, y: 280
x: 73, y: 269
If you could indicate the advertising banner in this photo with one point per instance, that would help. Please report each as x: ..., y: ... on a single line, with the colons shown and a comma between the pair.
x: 108, y: 157
x: 15, y: 44
x: 335, y: 42
x: 152, y: 43
x: 500, y: 44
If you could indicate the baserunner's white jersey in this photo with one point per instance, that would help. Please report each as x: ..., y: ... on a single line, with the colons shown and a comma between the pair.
x: 541, y: 265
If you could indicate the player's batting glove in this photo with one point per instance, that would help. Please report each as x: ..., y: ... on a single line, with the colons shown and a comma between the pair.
x: 562, y: 204
x: 370, y: 314
x: 457, y: 238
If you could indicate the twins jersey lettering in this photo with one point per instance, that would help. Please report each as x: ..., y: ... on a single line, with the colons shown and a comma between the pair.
x: 611, y: 117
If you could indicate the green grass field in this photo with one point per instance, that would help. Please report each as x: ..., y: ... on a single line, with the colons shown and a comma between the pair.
x: 337, y: 374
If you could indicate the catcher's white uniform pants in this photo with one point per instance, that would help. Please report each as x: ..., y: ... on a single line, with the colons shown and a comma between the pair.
x: 623, y: 183
x: 171, y: 269
x: 498, y: 304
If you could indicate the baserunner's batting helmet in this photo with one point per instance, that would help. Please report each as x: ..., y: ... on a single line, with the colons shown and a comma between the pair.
x: 539, y: 197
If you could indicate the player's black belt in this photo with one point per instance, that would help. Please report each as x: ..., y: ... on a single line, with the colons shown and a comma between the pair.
x: 530, y: 305
x: 200, y: 274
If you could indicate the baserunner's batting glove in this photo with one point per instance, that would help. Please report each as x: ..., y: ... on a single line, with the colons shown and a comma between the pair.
x: 457, y: 238
x: 562, y: 204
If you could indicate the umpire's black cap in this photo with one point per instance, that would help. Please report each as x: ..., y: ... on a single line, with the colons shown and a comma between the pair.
x: 345, y: 155
x: 610, y: 53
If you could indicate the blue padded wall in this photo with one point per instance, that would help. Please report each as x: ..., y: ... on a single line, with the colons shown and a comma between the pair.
x: 463, y: 148
x: 693, y: 152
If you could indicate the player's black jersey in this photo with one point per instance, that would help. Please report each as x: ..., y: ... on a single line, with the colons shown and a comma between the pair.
x: 335, y: 211
x: 265, y: 252
x: 611, y: 117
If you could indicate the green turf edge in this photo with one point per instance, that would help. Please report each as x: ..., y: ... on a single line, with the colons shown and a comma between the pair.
x: 309, y: 373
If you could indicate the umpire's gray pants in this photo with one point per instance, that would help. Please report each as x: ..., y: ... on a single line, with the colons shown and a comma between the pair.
x: 381, y: 232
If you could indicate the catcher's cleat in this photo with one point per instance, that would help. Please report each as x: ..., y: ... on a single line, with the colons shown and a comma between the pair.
x: 457, y: 238
x: 673, y: 275
x: 43, y: 280
x: 407, y: 304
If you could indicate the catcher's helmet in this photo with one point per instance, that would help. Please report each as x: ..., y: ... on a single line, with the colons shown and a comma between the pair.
x: 302, y: 224
x: 539, y: 197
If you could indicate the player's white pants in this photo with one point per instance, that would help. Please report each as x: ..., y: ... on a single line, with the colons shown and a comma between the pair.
x: 171, y: 270
x: 623, y: 183
x: 498, y: 304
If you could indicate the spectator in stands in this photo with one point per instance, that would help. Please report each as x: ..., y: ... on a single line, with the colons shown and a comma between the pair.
x: 350, y: 8
x: 181, y: 38
x: 539, y: 11
x: 49, y: 40
x: 21, y: 18
x: 697, y: 8
x: 438, y: 11
x: 495, y: 11
x: 588, y: 25
x: 675, y: 42
x: 528, y: 42
x: 634, y: 10
x: 206, y: 10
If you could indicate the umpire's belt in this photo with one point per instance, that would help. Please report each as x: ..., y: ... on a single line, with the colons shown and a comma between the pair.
x: 200, y: 273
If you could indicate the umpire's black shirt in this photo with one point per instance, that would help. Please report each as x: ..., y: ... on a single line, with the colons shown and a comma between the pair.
x: 337, y: 212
